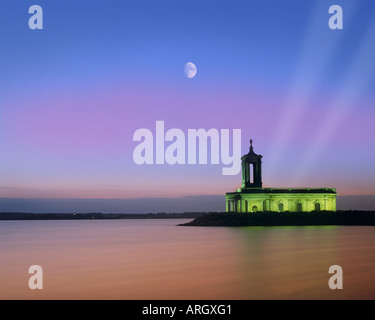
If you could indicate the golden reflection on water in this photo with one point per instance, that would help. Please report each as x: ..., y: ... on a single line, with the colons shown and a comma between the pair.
x: 155, y: 259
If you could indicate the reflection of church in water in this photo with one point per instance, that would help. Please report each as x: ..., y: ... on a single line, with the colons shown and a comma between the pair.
x: 252, y: 197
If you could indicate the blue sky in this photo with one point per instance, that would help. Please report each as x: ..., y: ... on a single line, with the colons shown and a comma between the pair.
x: 99, y: 70
x: 253, y: 41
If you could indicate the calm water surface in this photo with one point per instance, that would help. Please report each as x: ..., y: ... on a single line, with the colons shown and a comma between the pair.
x: 155, y: 259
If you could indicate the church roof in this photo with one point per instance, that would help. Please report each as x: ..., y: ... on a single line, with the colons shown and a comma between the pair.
x: 251, y: 154
x: 284, y: 190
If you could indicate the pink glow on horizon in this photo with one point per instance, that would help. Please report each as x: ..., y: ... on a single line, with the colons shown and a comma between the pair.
x: 80, y: 144
x: 105, y: 121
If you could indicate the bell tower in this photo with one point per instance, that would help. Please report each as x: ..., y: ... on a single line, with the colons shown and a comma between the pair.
x: 251, y: 169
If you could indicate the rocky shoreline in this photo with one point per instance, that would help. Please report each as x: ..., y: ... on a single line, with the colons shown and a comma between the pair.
x: 348, y: 218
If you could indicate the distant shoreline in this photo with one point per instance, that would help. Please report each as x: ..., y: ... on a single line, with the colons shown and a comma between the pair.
x: 95, y: 216
x: 217, y: 219
x: 261, y: 219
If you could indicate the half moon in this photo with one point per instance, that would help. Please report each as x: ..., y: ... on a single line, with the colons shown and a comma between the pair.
x: 190, y: 69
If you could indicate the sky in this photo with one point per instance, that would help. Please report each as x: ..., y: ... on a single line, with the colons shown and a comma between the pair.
x: 73, y: 94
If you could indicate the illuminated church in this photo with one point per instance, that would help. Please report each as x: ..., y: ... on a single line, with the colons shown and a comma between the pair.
x: 252, y: 197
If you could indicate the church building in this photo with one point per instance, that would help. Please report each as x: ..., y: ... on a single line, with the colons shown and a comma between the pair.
x: 252, y: 197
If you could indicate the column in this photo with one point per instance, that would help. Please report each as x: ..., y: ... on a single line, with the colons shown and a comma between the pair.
x: 243, y: 175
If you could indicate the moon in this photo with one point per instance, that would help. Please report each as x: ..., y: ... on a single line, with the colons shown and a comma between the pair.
x: 190, y: 70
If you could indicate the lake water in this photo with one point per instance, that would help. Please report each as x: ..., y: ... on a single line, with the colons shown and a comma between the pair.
x: 155, y: 259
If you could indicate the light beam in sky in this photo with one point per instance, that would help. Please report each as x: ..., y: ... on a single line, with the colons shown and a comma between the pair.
x: 349, y: 94
x: 315, y: 56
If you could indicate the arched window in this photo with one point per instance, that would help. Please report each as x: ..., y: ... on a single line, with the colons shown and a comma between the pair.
x: 255, y: 209
x: 317, y: 206
x: 281, y: 207
x: 299, y: 207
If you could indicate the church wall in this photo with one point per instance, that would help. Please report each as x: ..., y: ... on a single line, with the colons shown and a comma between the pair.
x: 292, y: 202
